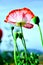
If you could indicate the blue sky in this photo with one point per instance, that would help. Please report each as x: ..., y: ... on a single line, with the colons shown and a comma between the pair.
x: 32, y: 36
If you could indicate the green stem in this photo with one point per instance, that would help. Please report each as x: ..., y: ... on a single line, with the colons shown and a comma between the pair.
x: 13, y: 38
x: 24, y: 44
x: 40, y: 34
x: 15, y: 47
x: 15, y: 60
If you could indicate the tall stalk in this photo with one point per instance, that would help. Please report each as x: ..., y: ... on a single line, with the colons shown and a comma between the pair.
x: 24, y: 44
x: 15, y: 46
x: 13, y: 38
x: 23, y: 41
x: 15, y: 59
x: 40, y: 34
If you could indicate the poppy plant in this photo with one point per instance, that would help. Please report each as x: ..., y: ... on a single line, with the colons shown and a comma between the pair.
x: 20, y: 17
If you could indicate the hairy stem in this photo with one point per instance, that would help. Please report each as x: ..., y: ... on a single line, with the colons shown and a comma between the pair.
x: 40, y: 34
x: 15, y: 60
x: 16, y: 42
x: 23, y: 42
x: 15, y: 47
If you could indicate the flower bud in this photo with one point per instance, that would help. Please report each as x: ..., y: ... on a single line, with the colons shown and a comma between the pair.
x: 12, y: 28
x: 36, y: 20
x: 20, y: 35
x: 15, y: 34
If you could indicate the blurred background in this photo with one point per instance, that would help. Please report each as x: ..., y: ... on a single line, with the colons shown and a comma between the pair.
x: 32, y: 36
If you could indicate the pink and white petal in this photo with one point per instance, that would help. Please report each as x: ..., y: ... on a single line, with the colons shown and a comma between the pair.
x: 18, y: 15
x: 28, y: 25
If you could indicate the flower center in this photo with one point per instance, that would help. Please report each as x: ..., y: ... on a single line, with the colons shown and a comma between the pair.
x: 21, y: 23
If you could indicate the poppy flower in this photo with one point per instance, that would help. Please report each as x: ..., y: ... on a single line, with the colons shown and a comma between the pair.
x: 1, y: 34
x: 20, y: 17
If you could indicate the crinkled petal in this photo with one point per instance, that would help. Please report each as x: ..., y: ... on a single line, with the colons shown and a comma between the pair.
x: 28, y: 25
x: 19, y: 14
